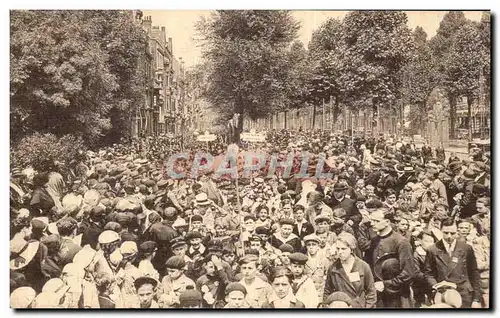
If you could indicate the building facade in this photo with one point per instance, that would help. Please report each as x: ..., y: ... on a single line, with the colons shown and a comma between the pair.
x: 163, y: 109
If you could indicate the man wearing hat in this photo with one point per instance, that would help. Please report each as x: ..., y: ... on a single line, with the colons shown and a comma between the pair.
x: 285, y: 235
x: 316, y: 206
x: 195, y: 247
x: 147, y: 251
x: 190, y: 298
x: 124, y: 219
x: 386, y: 181
x: 210, y: 188
x: 91, y: 234
x: 339, y: 200
x: 236, y: 296
x: 146, y: 290
x: 26, y: 258
x: 317, y: 263
x: 179, y: 248
x: 302, y: 285
x: 175, y: 282
x: 338, y: 300
x: 394, y: 287
x: 207, y: 209
x: 433, y: 174
x: 162, y: 233
x: 467, y: 203
x: 451, y: 260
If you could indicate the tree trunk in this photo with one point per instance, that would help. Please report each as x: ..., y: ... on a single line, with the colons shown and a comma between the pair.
x: 469, y: 116
x: 365, y: 122
x: 284, y: 115
x: 421, y: 106
x: 314, y: 117
x: 453, y: 115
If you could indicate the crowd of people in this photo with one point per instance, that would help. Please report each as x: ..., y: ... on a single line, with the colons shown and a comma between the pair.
x: 394, y: 227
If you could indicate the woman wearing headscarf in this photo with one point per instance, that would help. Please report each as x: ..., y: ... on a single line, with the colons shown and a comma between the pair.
x: 350, y: 274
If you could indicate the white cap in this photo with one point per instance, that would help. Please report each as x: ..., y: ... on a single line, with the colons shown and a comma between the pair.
x: 128, y: 248
x: 108, y: 236
x: 179, y: 222
x: 84, y: 256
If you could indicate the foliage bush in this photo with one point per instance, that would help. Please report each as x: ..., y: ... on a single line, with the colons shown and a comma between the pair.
x: 36, y: 149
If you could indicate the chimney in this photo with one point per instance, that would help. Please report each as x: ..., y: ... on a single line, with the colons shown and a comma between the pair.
x: 163, y: 35
x: 170, y: 46
x: 147, y: 21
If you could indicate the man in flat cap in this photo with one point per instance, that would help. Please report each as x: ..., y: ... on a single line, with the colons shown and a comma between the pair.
x: 338, y: 300
x: 316, y: 206
x: 91, y: 234
x: 302, y: 285
x: 162, y: 233
x: 285, y: 235
x: 236, y: 296
x: 147, y: 251
x: 175, y: 282
x: 317, y: 263
x: 146, y: 290
x: 386, y: 181
x: 195, y: 246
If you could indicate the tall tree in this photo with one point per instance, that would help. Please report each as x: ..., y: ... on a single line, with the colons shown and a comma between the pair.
x: 325, y: 57
x: 418, y: 78
x: 485, y: 36
x: 300, y: 71
x: 71, y: 69
x: 441, y: 44
x: 377, y: 46
x: 463, y: 66
x: 245, y: 49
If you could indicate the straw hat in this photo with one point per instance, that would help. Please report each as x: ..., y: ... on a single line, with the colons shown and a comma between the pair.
x: 22, y: 297
x: 22, y: 252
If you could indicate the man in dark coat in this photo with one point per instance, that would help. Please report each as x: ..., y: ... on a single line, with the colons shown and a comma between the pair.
x: 301, y: 228
x: 285, y: 236
x: 469, y: 197
x: 426, y: 152
x: 385, y: 182
x: 339, y: 200
x: 453, y: 261
x: 374, y: 176
x: 91, y: 233
x: 162, y: 233
x: 395, y: 292
x: 440, y: 153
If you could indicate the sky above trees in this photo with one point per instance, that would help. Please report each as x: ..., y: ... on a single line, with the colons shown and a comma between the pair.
x: 180, y: 26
